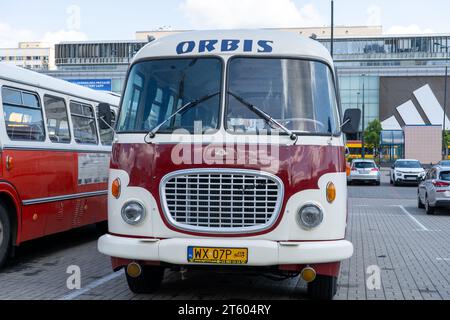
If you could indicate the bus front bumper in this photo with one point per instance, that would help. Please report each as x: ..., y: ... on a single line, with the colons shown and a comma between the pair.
x: 260, y: 252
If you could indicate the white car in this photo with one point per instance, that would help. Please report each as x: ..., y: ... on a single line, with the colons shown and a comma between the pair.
x: 407, y: 172
x: 364, y: 171
x: 434, y: 191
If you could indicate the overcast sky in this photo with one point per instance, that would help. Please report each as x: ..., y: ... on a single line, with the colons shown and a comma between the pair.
x: 66, y: 20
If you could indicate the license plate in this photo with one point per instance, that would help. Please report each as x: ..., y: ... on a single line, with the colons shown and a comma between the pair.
x: 218, y: 255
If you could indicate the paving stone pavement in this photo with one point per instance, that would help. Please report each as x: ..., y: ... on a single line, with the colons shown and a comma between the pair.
x: 410, y: 248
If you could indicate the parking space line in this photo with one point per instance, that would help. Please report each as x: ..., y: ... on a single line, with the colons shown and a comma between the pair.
x: 422, y: 227
x: 443, y: 259
x: 93, y: 285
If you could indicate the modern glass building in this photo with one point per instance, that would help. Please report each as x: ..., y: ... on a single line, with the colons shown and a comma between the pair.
x: 367, y: 61
x: 101, y: 65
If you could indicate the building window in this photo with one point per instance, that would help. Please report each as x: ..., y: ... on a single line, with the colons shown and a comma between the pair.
x: 57, y: 119
x: 85, y: 130
x: 23, y: 115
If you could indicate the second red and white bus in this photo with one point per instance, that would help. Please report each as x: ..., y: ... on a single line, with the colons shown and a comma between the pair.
x: 54, y: 153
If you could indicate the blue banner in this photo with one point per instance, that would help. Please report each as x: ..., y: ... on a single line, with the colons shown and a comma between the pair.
x: 96, y: 84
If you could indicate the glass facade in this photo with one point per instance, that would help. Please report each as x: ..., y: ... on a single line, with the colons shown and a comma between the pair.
x: 392, y: 146
x: 356, y: 89
x: 390, y: 45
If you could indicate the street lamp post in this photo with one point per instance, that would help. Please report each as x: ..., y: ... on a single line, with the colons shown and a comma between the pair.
x: 363, y: 116
x: 444, y: 129
x: 332, y: 29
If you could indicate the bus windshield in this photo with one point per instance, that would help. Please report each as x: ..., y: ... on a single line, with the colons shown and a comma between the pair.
x: 300, y: 94
x: 156, y: 89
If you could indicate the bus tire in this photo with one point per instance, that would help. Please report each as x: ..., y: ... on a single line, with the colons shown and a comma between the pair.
x: 5, y: 235
x: 148, y: 282
x: 323, y: 288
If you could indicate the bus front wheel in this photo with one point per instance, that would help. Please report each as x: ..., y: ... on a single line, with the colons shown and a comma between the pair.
x: 323, y: 288
x: 148, y: 282
x: 5, y: 235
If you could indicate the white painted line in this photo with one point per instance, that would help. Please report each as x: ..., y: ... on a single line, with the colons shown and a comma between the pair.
x: 93, y: 285
x: 421, y: 226
x: 443, y: 259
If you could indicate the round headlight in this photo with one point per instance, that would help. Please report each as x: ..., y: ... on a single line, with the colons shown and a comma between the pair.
x: 310, y: 216
x: 133, y: 213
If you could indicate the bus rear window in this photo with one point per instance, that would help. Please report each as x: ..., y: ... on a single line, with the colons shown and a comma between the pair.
x: 23, y: 115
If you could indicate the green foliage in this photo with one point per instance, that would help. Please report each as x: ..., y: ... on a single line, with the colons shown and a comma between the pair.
x: 446, y: 140
x: 372, y: 134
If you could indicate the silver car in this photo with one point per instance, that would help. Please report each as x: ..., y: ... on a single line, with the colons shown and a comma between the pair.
x: 364, y: 171
x: 434, y: 191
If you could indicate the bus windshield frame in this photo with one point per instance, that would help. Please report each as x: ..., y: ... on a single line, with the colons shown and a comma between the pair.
x: 332, y: 114
x: 165, y: 130
x: 334, y: 110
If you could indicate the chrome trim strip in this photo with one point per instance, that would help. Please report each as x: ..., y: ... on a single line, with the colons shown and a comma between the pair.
x: 30, y: 148
x: 218, y: 231
x: 64, y: 198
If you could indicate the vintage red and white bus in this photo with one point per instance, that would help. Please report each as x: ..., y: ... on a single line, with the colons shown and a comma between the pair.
x: 54, y: 155
x: 230, y: 155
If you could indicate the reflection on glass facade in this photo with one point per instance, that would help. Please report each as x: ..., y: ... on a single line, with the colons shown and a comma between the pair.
x: 358, y: 88
x: 388, y: 45
x: 392, y: 146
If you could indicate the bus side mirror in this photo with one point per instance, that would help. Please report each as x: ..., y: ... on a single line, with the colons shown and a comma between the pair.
x: 347, y: 151
x: 352, y: 119
x: 105, y: 116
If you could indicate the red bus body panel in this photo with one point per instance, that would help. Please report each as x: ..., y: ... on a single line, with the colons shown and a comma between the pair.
x: 300, y: 168
x: 44, y: 174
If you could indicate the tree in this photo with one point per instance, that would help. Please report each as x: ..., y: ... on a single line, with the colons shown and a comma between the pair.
x: 372, y: 135
x: 446, y: 142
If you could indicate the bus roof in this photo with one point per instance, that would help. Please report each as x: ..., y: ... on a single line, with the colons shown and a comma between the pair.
x: 12, y: 73
x: 236, y: 42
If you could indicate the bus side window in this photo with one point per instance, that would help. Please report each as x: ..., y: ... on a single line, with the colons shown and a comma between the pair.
x: 23, y: 115
x: 57, y: 119
x: 84, y: 126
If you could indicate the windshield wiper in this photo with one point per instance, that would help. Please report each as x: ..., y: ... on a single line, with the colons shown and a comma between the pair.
x: 264, y: 116
x: 183, y: 109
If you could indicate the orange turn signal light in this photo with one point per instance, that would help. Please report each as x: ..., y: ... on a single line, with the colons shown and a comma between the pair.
x: 116, y: 188
x: 331, y: 192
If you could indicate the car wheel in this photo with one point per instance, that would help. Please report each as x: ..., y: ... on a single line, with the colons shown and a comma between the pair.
x: 378, y: 183
x: 5, y: 235
x: 428, y: 208
x: 420, y: 205
x: 323, y: 288
x: 148, y: 282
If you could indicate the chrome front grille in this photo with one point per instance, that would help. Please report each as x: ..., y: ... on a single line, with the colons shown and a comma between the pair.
x: 221, y: 201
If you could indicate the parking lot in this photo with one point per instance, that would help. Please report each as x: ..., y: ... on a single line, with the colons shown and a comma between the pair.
x: 387, y: 229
